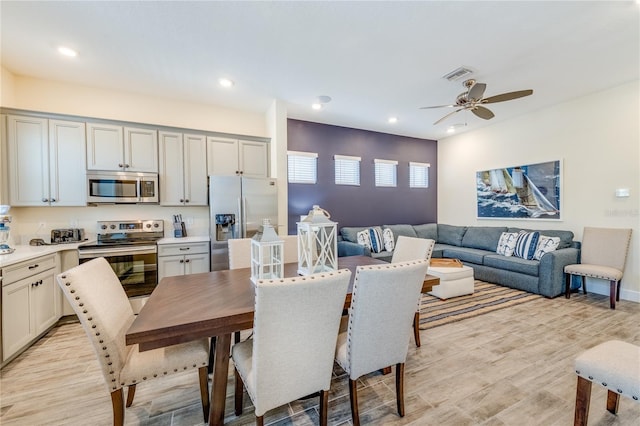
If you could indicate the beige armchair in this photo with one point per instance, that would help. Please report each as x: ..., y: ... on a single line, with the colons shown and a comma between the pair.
x: 410, y: 248
x: 383, y: 303
x: 97, y: 297
x: 295, y: 328
x: 603, y: 256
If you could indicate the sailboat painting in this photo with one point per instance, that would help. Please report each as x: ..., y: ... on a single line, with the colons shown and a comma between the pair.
x: 521, y: 192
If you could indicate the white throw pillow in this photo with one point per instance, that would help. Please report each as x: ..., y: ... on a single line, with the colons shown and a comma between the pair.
x: 546, y: 245
x: 507, y: 243
x: 363, y: 238
x: 387, y: 237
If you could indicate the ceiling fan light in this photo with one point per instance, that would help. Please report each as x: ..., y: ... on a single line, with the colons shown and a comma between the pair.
x: 316, y: 106
x: 67, y: 51
x: 393, y: 120
x: 225, y: 82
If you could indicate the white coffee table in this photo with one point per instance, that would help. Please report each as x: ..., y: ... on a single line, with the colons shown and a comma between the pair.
x: 454, y: 281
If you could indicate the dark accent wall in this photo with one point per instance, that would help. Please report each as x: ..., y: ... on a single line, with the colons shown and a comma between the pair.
x: 366, y: 204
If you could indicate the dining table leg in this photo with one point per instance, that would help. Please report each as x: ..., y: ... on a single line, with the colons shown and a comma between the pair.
x: 220, y: 377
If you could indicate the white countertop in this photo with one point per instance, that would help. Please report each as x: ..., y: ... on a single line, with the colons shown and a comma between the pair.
x: 183, y: 240
x: 25, y: 252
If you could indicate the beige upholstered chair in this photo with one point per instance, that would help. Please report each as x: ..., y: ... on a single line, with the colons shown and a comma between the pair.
x: 239, y: 253
x: 97, y: 297
x: 410, y: 248
x: 290, y: 248
x: 383, y: 303
x: 295, y: 328
x: 602, y: 255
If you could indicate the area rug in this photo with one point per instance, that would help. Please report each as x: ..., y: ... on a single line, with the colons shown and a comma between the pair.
x: 486, y: 298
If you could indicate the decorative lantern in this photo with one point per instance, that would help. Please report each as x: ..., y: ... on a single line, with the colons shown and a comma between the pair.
x: 317, y: 243
x: 267, y: 253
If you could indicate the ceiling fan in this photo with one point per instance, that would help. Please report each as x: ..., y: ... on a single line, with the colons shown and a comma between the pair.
x: 472, y: 100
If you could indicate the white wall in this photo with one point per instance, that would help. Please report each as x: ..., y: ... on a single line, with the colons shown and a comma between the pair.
x: 597, y: 137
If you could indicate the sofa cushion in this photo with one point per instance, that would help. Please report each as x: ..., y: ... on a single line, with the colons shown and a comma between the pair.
x: 512, y: 263
x: 427, y: 230
x: 406, y: 230
x: 566, y: 237
x: 450, y: 234
x: 483, y: 237
x: 526, y: 245
x: 470, y: 255
x: 350, y: 233
x: 545, y: 245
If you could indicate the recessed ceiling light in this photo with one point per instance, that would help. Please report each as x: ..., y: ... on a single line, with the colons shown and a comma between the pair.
x: 67, y: 51
x: 317, y: 106
x: 451, y: 129
x: 393, y: 120
x: 225, y: 82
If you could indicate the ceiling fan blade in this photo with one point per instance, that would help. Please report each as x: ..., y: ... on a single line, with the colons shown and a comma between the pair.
x: 447, y: 116
x: 438, y: 106
x: 507, y: 96
x: 476, y: 91
x: 482, y: 112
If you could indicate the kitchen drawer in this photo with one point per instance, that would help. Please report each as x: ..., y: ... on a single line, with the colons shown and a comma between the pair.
x: 13, y: 273
x: 182, y: 249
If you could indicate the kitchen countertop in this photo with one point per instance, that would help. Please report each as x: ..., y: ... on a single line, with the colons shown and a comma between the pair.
x: 183, y: 240
x: 25, y: 252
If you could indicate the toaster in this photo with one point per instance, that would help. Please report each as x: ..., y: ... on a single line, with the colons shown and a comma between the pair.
x: 71, y: 235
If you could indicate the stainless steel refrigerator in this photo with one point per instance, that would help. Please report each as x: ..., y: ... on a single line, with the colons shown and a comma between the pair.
x: 237, y: 207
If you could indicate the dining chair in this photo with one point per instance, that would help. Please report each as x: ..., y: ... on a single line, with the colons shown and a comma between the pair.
x: 411, y: 248
x: 383, y: 301
x: 98, y: 299
x: 239, y: 253
x: 290, y: 355
x: 603, y: 255
x: 290, y: 248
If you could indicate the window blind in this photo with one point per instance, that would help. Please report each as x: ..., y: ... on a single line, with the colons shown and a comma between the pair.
x: 419, y: 175
x: 347, y: 170
x: 385, y: 171
x: 302, y: 167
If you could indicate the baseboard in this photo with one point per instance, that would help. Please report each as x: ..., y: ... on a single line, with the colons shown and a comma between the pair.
x: 600, y: 287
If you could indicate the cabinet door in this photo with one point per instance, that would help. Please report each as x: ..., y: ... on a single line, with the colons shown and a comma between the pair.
x: 17, y: 330
x: 196, y: 263
x: 254, y: 159
x: 67, y: 163
x: 170, y: 266
x: 105, y: 149
x: 171, y: 169
x: 195, y: 170
x: 44, y: 301
x: 140, y: 150
x: 28, y: 161
x: 222, y: 156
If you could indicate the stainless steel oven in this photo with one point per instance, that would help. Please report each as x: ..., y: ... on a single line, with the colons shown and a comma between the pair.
x: 131, y: 250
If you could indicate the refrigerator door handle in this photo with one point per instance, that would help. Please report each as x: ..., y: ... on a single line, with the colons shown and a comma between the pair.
x: 241, y: 230
x: 244, y: 216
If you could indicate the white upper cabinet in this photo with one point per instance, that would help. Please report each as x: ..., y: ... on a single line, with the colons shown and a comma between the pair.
x: 46, y: 162
x: 237, y: 157
x: 183, y: 169
x: 116, y: 148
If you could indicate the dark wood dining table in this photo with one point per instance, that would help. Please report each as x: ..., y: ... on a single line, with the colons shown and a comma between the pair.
x: 212, y: 304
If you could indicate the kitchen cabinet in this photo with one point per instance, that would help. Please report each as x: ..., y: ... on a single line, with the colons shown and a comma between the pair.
x: 182, y: 259
x: 182, y: 169
x: 46, y: 162
x: 117, y: 148
x: 31, y: 302
x: 237, y: 157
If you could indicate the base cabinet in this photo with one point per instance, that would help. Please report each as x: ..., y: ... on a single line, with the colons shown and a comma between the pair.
x: 31, y: 302
x: 182, y: 259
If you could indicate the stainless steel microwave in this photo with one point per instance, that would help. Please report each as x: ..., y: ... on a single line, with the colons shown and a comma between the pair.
x: 122, y: 187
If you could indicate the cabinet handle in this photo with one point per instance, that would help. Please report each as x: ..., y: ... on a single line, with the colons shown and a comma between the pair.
x: 45, y: 200
x: 120, y: 165
x: 126, y: 166
x: 184, y: 248
x: 181, y: 200
x: 34, y: 266
x: 187, y: 261
x: 181, y: 261
x: 53, y: 200
x: 186, y: 201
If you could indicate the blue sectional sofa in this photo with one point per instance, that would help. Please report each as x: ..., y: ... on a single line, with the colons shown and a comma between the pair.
x: 476, y: 247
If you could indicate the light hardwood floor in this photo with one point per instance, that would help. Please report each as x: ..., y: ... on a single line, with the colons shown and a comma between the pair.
x: 509, y: 367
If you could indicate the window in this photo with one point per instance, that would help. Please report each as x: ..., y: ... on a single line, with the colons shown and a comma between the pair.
x: 385, y: 172
x: 347, y: 170
x: 302, y: 167
x: 419, y: 175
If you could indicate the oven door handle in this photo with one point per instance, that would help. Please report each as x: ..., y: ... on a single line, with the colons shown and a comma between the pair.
x: 115, y: 251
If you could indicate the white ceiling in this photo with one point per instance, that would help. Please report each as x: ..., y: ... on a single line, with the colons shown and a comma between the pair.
x: 374, y: 59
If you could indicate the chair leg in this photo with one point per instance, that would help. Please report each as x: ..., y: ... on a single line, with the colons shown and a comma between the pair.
x: 203, y: 375
x: 259, y: 420
x: 583, y: 397
x: 353, y: 398
x: 613, y: 399
x: 584, y: 284
x: 324, y: 402
x: 239, y: 393
x: 212, y: 351
x: 131, y: 392
x: 612, y: 294
x: 400, y: 388
x: 567, y: 286
x: 117, y: 402
x: 618, y: 291
x: 416, y: 328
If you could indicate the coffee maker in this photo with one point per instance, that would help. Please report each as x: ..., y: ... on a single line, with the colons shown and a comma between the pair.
x: 5, y: 230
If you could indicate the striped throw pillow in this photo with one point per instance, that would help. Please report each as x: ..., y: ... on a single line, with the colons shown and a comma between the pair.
x: 375, y: 236
x: 526, y: 245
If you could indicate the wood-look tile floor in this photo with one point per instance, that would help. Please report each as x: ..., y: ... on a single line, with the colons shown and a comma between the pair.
x: 510, y: 367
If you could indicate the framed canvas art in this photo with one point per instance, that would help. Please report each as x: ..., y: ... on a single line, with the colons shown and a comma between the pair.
x: 530, y: 191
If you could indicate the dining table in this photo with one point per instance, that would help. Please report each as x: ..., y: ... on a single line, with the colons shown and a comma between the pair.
x: 213, y: 304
